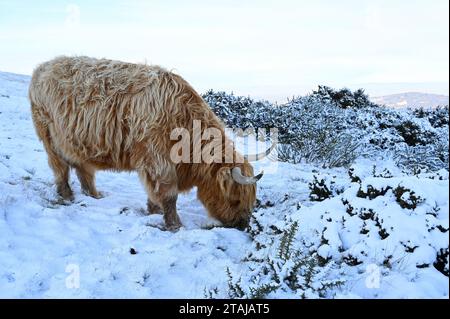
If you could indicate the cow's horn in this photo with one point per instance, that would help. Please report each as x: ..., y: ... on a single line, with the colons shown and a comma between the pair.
x: 256, y: 157
x: 245, y: 180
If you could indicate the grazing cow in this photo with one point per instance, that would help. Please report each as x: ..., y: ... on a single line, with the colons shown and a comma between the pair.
x: 98, y: 114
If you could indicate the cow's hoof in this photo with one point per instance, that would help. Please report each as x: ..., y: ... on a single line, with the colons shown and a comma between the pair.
x: 96, y: 195
x: 173, y: 228
x: 65, y: 192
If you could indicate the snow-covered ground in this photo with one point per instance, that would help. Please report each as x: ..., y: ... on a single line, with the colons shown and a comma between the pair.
x: 378, y: 246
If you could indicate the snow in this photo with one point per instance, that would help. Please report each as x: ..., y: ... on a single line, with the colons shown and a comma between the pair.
x: 120, y: 252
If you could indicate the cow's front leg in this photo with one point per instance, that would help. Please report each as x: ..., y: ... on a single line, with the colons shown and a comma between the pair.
x: 171, y: 218
x: 162, y: 193
x: 152, y: 208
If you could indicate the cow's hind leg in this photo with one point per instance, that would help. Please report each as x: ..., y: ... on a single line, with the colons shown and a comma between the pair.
x: 61, y: 169
x: 61, y: 172
x: 86, y: 176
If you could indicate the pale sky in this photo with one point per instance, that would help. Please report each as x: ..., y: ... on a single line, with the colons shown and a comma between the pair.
x: 269, y: 49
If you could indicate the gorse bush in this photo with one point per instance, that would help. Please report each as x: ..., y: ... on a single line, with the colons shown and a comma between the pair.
x: 288, y: 271
x: 343, y: 98
x: 368, y: 227
x: 438, y: 117
x: 413, y: 134
x: 306, y: 126
x: 314, y: 133
x: 240, y: 112
x: 332, y: 128
x: 322, y: 188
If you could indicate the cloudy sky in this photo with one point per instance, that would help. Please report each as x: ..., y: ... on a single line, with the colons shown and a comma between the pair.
x: 269, y: 49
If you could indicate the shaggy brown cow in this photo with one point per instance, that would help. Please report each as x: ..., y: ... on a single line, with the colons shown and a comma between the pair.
x: 97, y: 114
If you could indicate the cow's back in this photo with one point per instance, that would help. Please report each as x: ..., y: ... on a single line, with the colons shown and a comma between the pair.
x: 110, y: 113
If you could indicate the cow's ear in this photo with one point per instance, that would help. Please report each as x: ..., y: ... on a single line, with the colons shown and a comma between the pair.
x: 225, y: 180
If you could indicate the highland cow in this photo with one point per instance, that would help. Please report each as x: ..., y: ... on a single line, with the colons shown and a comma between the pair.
x: 97, y: 114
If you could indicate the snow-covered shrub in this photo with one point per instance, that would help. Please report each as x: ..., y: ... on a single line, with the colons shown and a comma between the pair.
x: 309, y: 129
x: 286, y: 270
x: 371, y: 192
x: 421, y: 158
x: 314, y: 133
x: 385, y: 200
x: 319, y: 190
x: 242, y: 112
x: 323, y: 187
x: 344, y: 98
x: 406, y: 198
x: 380, y: 219
x: 442, y: 261
x: 333, y: 128
x: 413, y: 134
x: 411, y: 141
x: 438, y: 117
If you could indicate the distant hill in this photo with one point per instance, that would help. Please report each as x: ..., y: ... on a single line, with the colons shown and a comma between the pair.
x: 412, y: 100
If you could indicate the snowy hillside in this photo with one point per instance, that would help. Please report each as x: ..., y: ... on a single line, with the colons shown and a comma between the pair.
x: 412, y: 100
x: 368, y: 231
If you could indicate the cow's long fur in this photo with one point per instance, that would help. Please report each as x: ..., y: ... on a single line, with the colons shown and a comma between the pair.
x: 96, y: 114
